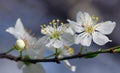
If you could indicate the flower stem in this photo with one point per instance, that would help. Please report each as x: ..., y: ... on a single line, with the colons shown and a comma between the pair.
x: 21, y: 54
x: 10, y: 50
x: 57, y: 52
x: 81, y: 49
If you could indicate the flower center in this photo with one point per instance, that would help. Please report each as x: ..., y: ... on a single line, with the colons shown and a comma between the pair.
x: 55, y: 35
x: 89, y: 29
x: 54, y: 30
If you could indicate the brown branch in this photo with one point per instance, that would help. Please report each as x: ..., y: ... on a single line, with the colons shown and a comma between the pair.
x: 15, y: 58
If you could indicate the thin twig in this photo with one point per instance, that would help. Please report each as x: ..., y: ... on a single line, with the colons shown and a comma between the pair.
x: 15, y: 58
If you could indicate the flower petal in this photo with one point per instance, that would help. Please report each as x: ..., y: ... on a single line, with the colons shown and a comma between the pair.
x: 83, y: 18
x: 67, y: 39
x: 50, y: 43
x: 11, y: 30
x: 87, y: 19
x: 19, y: 26
x: 33, y: 68
x: 80, y: 17
x: 30, y: 52
x: 69, y: 30
x: 58, y: 44
x: 71, y: 67
x: 75, y: 26
x: 100, y: 39
x: 106, y: 27
x: 83, y: 38
x: 20, y: 65
x: 78, y: 39
x: 18, y: 31
x: 55, y: 43
x: 39, y: 46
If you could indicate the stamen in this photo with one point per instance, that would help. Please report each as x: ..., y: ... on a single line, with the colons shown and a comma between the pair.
x: 97, y: 18
x: 41, y: 26
x: 44, y: 25
x: 50, y: 23
x: 53, y: 30
x: 89, y: 29
x: 61, y: 23
x: 53, y: 21
x: 69, y: 49
x: 58, y: 20
x: 93, y: 16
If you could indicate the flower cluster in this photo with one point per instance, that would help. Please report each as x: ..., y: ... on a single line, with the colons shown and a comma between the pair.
x: 59, y: 38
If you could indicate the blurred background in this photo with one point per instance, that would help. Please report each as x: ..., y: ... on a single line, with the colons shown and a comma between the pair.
x: 33, y: 13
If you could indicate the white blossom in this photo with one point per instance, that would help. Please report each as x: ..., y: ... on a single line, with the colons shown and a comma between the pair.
x: 34, y: 48
x: 60, y: 37
x: 87, y: 28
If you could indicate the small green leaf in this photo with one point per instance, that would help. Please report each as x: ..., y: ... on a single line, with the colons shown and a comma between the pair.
x: 91, y: 55
x: 117, y: 50
x: 27, y: 58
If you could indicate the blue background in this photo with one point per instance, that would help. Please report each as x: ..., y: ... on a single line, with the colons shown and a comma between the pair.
x: 33, y: 13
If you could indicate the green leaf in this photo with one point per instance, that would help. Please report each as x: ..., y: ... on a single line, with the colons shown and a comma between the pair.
x: 90, y: 55
x: 117, y: 50
x: 27, y: 58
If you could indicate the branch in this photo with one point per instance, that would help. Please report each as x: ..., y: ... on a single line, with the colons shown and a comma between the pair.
x: 57, y: 60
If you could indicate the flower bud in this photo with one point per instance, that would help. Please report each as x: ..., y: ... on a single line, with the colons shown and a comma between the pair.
x: 20, y: 44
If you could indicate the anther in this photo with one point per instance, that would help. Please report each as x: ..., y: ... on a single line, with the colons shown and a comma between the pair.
x: 50, y: 23
x: 61, y: 23
x: 58, y: 20
x: 97, y: 18
x: 53, y: 20
x: 44, y: 25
